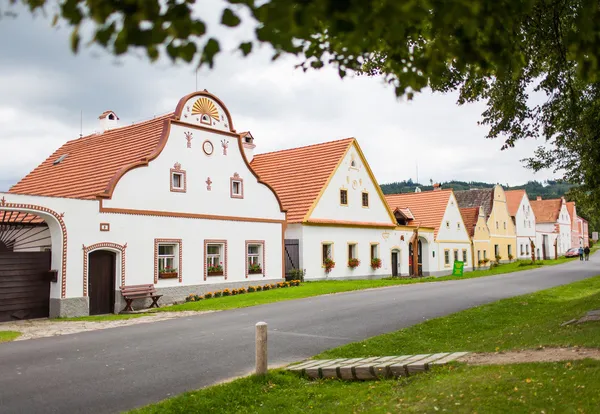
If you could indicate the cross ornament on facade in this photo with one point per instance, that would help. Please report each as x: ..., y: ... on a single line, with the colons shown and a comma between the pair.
x: 208, y: 183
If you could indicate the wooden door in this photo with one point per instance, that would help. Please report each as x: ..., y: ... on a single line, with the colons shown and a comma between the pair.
x: 101, y: 282
x: 24, y: 285
x: 394, y: 263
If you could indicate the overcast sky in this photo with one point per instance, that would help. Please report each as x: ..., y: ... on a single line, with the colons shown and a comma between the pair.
x: 44, y: 88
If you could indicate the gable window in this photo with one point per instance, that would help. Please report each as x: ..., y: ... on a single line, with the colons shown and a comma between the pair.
x: 458, y: 226
x: 215, y: 253
x: 464, y: 256
x: 365, y: 199
x: 447, y: 224
x: 326, y: 251
x: 497, y: 227
x: 344, y: 197
x: 167, y: 259
x: 236, y: 186
x: 446, y: 257
x: 255, y: 257
x: 456, y: 255
x: 505, y: 225
x: 178, y: 179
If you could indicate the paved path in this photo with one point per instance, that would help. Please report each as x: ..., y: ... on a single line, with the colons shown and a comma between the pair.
x: 116, y: 369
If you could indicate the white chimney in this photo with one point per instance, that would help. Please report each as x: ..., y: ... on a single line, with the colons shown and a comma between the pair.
x: 248, y: 144
x: 108, y: 120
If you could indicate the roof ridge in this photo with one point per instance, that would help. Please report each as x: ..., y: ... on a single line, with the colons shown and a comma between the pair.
x: 305, y: 146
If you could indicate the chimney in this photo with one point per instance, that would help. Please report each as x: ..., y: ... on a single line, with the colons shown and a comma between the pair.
x: 248, y: 144
x: 539, y: 198
x: 108, y: 120
x: 437, y: 187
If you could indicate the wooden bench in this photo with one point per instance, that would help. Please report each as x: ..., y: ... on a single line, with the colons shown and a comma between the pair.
x: 132, y: 292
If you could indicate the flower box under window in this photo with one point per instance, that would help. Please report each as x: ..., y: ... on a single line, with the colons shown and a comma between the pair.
x: 168, y: 275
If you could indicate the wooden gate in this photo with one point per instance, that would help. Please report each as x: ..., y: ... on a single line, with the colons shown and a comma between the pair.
x: 24, y: 285
x: 292, y: 255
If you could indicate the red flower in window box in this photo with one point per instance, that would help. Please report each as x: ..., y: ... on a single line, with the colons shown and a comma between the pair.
x: 376, y: 263
x: 254, y: 269
x: 329, y: 265
x: 216, y: 270
x: 352, y: 263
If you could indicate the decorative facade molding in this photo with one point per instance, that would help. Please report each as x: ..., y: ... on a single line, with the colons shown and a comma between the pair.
x: 236, y: 178
x: 179, y: 242
x: 189, y: 136
x: 177, y: 170
x: 102, y: 246
x: 59, y: 219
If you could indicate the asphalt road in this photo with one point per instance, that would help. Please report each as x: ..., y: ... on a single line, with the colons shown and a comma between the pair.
x: 117, y: 369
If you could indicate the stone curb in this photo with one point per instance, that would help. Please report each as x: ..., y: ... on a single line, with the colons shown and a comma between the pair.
x: 373, y: 367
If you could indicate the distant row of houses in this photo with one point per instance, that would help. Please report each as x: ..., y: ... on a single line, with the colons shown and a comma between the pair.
x: 182, y: 203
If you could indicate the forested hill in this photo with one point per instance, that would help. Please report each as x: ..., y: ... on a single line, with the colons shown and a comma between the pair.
x: 547, y: 189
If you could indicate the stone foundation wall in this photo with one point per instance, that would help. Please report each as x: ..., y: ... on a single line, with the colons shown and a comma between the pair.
x: 69, y: 308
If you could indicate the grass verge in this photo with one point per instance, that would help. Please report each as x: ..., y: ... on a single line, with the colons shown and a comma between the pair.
x: 102, y: 318
x: 524, y: 388
x: 528, y: 321
x: 309, y: 289
x: 7, y: 336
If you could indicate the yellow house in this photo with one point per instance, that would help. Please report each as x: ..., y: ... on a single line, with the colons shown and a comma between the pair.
x: 502, y: 232
x: 476, y: 225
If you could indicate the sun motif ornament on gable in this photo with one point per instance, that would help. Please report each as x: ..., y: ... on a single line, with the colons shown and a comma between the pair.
x: 207, y: 110
x: 204, y: 110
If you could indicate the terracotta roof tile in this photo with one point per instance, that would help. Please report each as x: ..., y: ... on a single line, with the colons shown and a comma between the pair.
x: 92, y: 161
x: 513, y: 201
x: 571, y: 210
x: 483, y: 197
x: 427, y: 207
x: 546, y: 211
x: 470, y: 215
x: 297, y: 175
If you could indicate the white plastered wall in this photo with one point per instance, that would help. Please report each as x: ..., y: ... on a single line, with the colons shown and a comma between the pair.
x: 452, y: 235
x: 526, y: 228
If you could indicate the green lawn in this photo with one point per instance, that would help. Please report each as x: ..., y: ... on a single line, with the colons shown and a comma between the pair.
x: 308, y: 289
x: 6, y: 336
x: 528, y: 321
x: 102, y: 318
x: 525, y: 388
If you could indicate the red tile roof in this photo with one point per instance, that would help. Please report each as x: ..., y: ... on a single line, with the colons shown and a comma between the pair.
x: 513, y: 201
x: 546, y: 211
x: 571, y: 210
x: 92, y: 161
x: 299, y: 174
x: 470, y: 215
x: 428, y: 207
x: 349, y: 223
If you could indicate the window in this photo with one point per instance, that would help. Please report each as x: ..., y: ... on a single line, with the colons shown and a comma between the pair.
x: 344, y: 197
x: 447, y: 224
x: 510, y: 249
x: 365, y: 199
x: 464, y: 256
x: 456, y: 255
x: 215, y: 252
x: 527, y: 249
x: 374, y: 251
x: 524, y: 223
x: 327, y: 252
x: 237, y: 186
x: 478, y: 256
x: 447, y: 257
x: 497, y: 226
x: 352, y: 251
x: 255, y: 257
x: 178, y: 179
x: 167, y: 259
x: 505, y: 225
x: 458, y: 226
x: 485, y: 254
x: 522, y: 249
x: 496, y: 250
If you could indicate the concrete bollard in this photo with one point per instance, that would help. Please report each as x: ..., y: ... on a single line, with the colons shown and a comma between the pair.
x: 261, y: 348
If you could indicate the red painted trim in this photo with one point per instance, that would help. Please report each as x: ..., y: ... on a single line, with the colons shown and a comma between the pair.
x: 102, y: 246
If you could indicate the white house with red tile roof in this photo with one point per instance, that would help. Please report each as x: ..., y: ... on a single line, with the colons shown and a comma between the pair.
x: 553, y: 227
x: 335, y: 210
x: 523, y: 217
x: 170, y: 202
x: 450, y: 240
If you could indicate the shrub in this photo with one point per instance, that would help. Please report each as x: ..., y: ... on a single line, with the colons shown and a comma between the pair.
x: 208, y: 295
x: 287, y: 284
x: 498, y: 257
x: 218, y: 293
x: 259, y: 288
x: 294, y: 283
x: 251, y: 289
x: 329, y: 265
x: 376, y: 263
x: 241, y: 291
x: 234, y: 292
x: 296, y: 274
x: 352, y: 263
x: 266, y: 287
x: 510, y: 257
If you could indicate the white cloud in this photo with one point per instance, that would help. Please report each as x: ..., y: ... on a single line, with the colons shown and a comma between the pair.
x: 45, y: 89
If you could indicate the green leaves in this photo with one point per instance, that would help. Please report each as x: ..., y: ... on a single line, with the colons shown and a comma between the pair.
x: 229, y: 18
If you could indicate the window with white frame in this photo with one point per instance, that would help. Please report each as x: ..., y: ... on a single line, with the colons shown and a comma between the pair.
x: 167, y: 265
x: 527, y: 248
x: 446, y: 257
x: 510, y: 249
x: 478, y: 256
x: 464, y: 256
x: 352, y: 254
x: 215, y: 259
x: 456, y: 255
x: 255, y: 258
x: 505, y: 225
x: 522, y: 249
x: 374, y: 251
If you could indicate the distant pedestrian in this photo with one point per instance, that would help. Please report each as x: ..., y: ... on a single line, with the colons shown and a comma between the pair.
x: 581, y: 253
x: 587, y: 253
